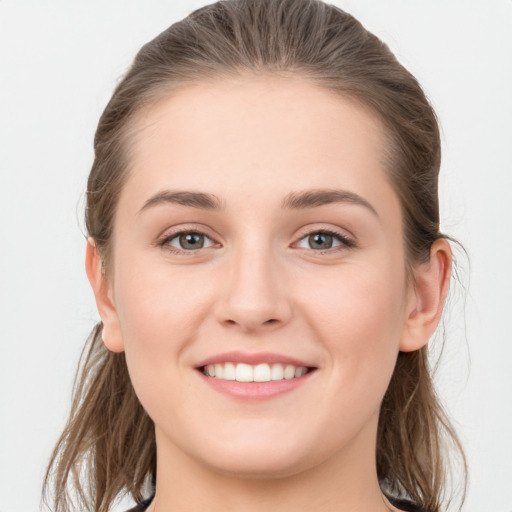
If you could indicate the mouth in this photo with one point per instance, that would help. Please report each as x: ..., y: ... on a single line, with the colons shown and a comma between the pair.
x: 263, y: 372
x: 254, y: 376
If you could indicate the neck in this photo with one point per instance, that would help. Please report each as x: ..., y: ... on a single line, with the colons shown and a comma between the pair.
x: 346, y: 482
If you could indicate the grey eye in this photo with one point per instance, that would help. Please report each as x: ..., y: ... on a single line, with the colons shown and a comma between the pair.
x: 189, y: 241
x: 320, y: 241
x: 324, y: 240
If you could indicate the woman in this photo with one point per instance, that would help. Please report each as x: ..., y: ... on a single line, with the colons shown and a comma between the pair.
x: 265, y: 254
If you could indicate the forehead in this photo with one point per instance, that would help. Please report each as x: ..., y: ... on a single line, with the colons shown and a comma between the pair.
x: 245, y: 136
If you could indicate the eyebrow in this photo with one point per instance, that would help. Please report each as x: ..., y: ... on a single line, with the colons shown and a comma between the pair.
x: 185, y: 198
x: 300, y: 200
x: 319, y: 197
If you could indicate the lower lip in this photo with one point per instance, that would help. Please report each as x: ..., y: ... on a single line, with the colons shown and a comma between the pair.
x: 255, y: 390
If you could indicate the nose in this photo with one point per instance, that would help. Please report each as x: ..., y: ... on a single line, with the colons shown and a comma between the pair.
x: 254, y: 293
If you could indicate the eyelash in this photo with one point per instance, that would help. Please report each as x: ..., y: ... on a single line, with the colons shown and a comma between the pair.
x: 345, y: 242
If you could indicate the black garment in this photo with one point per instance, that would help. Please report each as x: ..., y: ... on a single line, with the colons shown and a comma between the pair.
x: 143, y: 506
x: 404, y: 505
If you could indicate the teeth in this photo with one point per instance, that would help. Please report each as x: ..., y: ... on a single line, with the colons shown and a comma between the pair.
x: 219, y: 371
x: 300, y: 371
x: 277, y: 372
x: 244, y: 373
x: 229, y: 371
x: 264, y: 372
x: 289, y: 371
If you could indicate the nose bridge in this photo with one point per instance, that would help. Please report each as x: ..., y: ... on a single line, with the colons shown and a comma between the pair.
x: 255, y: 290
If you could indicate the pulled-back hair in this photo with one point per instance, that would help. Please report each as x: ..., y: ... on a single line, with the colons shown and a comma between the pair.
x: 108, y: 445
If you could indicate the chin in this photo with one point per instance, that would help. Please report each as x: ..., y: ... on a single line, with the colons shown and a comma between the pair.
x: 249, y: 460
x: 259, y: 468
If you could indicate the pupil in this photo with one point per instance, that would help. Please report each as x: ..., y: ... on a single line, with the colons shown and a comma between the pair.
x: 191, y: 241
x: 320, y: 241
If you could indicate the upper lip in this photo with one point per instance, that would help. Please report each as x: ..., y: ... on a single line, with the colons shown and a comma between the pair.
x: 251, y: 358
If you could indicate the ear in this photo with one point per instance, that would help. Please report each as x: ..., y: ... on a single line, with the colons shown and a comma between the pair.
x: 102, y: 289
x: 426, y: 297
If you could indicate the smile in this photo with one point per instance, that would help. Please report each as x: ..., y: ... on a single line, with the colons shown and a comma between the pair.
x: 264, y: 372
x: 254, y: 376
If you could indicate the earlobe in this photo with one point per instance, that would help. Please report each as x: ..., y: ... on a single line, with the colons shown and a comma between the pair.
x: 427, y: 296
x: 101, y: 288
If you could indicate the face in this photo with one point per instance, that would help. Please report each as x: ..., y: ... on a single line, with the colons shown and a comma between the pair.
x: 256, y: 238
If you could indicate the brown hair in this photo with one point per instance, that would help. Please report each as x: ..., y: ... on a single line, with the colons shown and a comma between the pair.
x: 108, y: 444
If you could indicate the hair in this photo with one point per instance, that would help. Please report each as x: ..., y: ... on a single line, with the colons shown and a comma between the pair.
x: 108, y: 445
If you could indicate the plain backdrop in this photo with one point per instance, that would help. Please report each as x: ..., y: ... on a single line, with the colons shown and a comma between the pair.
x: 59, y: 62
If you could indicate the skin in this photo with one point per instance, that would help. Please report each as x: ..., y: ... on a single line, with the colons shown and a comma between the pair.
x: 258, y: 285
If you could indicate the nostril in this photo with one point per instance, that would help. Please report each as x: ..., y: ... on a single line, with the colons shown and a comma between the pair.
x: 252, y: 324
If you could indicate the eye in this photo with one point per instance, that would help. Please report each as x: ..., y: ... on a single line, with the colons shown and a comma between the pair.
x: 325, y: 240
x: 186, y: 241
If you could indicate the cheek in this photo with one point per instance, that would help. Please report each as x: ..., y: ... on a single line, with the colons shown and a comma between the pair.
x: 158, y: 306
x: 358, y: 314
x: 160, y: 309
